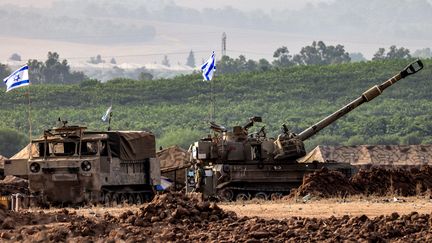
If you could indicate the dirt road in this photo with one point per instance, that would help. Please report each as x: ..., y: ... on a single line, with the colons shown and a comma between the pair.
x: 330, y: 207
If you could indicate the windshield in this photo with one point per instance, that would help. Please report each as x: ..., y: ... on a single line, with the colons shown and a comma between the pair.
x: 67, y: 148
x: 89, y: 148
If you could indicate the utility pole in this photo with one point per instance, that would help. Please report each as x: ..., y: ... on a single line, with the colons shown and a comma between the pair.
x: 224, y: 37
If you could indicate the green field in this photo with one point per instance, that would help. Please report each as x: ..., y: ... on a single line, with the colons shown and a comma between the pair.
x: 177, y: 110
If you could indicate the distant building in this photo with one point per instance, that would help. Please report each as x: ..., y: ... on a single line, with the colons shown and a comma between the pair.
x: 388, y: 155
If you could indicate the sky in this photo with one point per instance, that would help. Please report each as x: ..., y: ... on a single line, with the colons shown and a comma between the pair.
x: 144, y: 31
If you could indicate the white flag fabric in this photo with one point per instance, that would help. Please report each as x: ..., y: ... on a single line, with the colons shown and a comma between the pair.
x: 17, y: 79
x: 209, y: 67
x: 107, y: 114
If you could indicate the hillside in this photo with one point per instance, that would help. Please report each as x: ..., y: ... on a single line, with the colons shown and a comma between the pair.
x: 177, y: 109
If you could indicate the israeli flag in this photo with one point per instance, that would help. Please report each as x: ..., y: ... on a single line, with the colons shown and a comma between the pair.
x: 209, y: 67
x: 17, y: 79
x: 107, y: 114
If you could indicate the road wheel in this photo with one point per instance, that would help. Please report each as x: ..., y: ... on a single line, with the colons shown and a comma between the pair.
x: 131, y: 199
x: 243, y: 196
x: 107, y: 199
x: 276, y: 196
x: 139, y: 199
x: 261, y: 196
x: 115, y: 200
x: 226, y: 195
x: 123, y: 198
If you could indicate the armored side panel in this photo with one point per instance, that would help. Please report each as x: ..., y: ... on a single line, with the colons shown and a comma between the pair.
x: 203, y: 150
x: 134, y: 169
x: 16, y: 167
x: 155, y: 171
x: 236, y: 151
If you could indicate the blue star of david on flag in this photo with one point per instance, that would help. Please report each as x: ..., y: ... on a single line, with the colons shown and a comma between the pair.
x: 17, y: 79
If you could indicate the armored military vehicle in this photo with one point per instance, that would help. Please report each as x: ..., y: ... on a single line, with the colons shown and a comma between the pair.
x: 70, y: 165
x: 239, y: 165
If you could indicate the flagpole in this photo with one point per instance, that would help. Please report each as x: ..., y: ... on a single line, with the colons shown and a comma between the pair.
x: 211, y: 101
x: 29, y: 121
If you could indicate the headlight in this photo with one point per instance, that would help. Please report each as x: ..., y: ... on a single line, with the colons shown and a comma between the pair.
x: 35, y: 167
x: 86, y: 165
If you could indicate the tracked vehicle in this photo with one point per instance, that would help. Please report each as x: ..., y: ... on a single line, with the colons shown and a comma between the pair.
x: 239, y: 165
x: 70, y: 165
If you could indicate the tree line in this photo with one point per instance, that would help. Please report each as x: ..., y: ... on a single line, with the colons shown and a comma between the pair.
x: 55, y: 70
x: 318, y: 53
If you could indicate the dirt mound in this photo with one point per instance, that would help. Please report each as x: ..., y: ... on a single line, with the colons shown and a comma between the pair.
x: 175, y: 217
x: 175, y: 207
x: 325, y: 183
x: 12, y: 184
x: 373, y: 181
x: 403, y: 182
x: 379, y: 181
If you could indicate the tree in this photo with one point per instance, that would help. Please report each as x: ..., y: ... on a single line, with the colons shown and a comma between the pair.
x: 15, y: 57
x: 398, y: 53
x: 393, y: 53
x: 165, y: 61
x: 36, y: 71
x: 283, y: 58
x: 423, y: 53
x: 226, y: 65
x: 251, y: 65
x: 263, y: 65
x: 379, y: 55
x: 240, y: 64
x: 53, y: 71
x: 113, y: 61
x: 320, y: 54
x: 4, y: 70
x: 143, y: 76
x: 96, y: 60
x: 191, y: 59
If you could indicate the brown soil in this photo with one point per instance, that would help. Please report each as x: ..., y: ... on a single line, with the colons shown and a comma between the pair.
x: 374, y: 181
x: 175, y: 217
x: 12, y: 184
x: 325, y: 208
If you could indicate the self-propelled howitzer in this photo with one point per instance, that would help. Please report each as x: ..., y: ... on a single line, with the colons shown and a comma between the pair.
x: 239, y: 165
x: 292, y: 147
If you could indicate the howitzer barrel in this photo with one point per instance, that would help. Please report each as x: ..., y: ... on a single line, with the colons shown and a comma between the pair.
x: 367, y: 96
